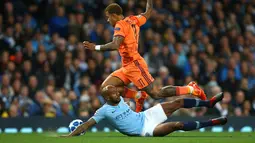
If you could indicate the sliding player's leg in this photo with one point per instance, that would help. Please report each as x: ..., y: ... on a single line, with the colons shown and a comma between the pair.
x: 170, y: 107
x: 167, y: 128
x: 159, y: 113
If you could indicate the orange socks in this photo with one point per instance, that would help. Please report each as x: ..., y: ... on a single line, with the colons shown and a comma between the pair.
x: 143, y: 93
x: 129, y: 93
x: 182, y: 90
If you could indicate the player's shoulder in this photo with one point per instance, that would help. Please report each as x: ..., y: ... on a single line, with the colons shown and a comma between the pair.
x: 128, y: 20
x: 134, y: 19
x: 131, y: 18
x: 101, y: 109
x: 121, y: 22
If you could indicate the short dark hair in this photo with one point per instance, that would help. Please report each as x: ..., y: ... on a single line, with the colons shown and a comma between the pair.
x: 114, y: 8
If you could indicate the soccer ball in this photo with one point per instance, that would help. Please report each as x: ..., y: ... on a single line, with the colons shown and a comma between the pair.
x: 75, y: 124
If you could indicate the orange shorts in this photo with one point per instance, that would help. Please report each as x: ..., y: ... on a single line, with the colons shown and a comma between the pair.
x: 136, y: 72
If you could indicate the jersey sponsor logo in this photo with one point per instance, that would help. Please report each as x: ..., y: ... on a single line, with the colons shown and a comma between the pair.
x: 123, y: 115
x: 117, y: 29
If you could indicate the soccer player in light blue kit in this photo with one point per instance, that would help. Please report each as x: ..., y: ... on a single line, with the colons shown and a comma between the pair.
x: 149, y: 122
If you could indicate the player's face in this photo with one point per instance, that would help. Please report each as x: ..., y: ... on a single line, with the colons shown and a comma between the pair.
x: 111, y: 18
x: 114, y: 95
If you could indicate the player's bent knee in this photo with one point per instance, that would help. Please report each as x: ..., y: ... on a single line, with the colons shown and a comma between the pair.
x: 178, y: 126
x: 161, y: 92
x: 179, y: 102
x: 154, y: 96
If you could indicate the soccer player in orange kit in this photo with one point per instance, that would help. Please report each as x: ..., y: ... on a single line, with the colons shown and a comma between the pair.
x: 134, y: 68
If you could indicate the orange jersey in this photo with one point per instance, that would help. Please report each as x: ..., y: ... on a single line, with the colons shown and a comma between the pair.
x: 129, y: 28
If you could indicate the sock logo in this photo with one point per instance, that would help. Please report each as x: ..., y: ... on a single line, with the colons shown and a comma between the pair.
x: 198, y: 125
x: 197, y: 102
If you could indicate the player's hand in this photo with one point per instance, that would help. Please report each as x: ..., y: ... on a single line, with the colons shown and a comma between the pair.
x: 89, y: 45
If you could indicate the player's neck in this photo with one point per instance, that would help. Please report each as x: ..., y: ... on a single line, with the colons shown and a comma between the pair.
x: 120, y: 17
x: 112, y: 104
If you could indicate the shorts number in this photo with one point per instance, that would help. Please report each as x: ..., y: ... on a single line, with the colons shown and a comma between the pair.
x: 141, y: 82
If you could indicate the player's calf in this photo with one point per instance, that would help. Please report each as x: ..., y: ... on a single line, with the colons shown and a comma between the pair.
x: 194, y: 125
x: 170, y: 107
x: 169, y: 127
x: 167, y: 91
x: 178, y: 126
x: 170, y: 91
x: 189, y: 103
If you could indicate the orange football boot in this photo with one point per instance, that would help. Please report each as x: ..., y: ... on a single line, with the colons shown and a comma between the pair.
x: 197, y: 91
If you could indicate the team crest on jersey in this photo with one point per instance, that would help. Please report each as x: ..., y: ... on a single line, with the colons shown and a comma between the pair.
x: 117, y: 29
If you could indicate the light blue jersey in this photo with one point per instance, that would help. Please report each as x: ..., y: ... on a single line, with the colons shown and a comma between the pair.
x: 124, y: 119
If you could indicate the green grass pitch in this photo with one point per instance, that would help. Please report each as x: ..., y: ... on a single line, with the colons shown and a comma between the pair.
x: 113, y: 137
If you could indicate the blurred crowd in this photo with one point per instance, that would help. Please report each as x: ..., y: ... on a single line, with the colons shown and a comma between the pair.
x: 46, y: 71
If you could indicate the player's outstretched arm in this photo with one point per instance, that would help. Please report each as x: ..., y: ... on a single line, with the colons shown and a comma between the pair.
x: 91, y: 122
x: 149, y: 8
x: 114, y: 45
